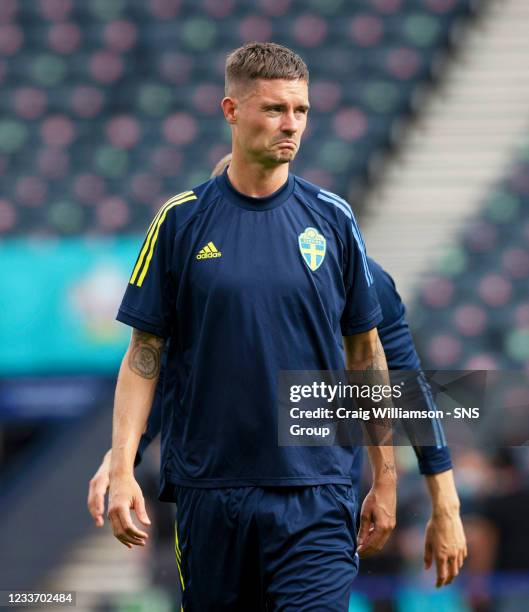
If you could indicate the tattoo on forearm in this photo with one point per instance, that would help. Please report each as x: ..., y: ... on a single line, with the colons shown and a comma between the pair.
x: 379, y: 359
x: 379, y: 430
x: 389, y: 468
x: 375, y: 372
x: 145, y: 353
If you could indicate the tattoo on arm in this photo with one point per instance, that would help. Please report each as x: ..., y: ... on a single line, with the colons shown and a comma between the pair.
x: 376, y: 371
x: 379, y: 430
x: 389, y: 468
x: 145, y: 354
x: 379, y: 359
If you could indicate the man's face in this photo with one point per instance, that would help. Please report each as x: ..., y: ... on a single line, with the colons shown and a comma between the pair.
x: 270, y: 119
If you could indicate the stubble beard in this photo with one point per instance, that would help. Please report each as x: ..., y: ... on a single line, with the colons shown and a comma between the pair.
x: 283, y: 157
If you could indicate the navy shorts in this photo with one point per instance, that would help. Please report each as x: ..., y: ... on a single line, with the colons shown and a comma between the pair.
x: 280, y: 549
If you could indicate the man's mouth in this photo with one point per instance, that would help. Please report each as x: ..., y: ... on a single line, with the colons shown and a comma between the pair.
x: 287, y: 143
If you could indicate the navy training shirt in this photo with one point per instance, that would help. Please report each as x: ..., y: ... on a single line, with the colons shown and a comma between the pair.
x: 242, y: 288
x: 400, y: 353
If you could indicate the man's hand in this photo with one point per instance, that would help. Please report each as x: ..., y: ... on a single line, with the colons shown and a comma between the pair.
x: 97, y: 490
x: 377, y: 518
x: 125, y: 494
x: 445, y: 540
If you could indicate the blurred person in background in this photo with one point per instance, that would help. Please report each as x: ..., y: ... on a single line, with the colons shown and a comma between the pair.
x: 499, y: 538
x: 253, y: 272
x: 444, y: 543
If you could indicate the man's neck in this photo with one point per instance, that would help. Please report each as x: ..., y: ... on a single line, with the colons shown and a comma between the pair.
x: 255, y: 180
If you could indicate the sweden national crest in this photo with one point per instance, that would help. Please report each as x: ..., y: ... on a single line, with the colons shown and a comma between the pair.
x: 312, y: 246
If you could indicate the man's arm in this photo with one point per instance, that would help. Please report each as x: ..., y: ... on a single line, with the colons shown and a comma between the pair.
x: 445, y: 539
x: 445, y: 542
x: 98, y: 485
x: 364, y: 352
x: 137, y: 379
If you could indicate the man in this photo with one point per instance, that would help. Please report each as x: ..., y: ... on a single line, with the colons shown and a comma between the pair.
x: 444, y: 538
x: 248, y: 274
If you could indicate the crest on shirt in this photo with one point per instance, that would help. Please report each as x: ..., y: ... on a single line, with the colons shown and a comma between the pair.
x: 312, y: 246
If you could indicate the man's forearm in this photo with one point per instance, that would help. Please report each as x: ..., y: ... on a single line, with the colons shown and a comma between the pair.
x: 382, y: 459
x: 135, y: 390
x: 364, y: 353
x: 443, y: 493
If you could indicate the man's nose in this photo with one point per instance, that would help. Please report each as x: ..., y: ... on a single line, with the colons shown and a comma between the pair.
x: 290, y: 124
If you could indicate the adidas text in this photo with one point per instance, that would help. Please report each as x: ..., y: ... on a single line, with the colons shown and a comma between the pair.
x: 209, y: 255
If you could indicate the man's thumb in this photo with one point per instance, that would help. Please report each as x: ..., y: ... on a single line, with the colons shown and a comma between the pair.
x: 141, y: 513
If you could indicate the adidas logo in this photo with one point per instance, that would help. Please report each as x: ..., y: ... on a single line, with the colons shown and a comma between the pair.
x: 210, y: 251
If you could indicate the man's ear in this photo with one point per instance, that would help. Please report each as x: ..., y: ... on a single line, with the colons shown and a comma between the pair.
x: 229, y: 108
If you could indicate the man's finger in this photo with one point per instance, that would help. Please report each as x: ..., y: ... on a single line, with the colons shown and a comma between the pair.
x: 460, y: 560
x: 129, y: 528
x: 453, y: 569
x: 97, y: 490
x: 117, y: 529
x: 428, y: 555
x: 366, y: 549
x: 141, y: 512
x: 123, y: 527
x: 442, y: 570
x: 97, y: 515
x: 375, y: 541
x: 97, y: 505
x: 365, y: 526
x: 93, y: 503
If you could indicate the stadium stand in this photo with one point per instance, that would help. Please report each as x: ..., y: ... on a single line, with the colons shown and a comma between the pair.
x: 473, y: 311
x: 471, y: 124
x: 108, y: 107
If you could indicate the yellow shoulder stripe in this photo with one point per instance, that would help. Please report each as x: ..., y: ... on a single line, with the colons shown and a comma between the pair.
x: 144, y: 259
x: 150, y: 233
x: 155, y: 237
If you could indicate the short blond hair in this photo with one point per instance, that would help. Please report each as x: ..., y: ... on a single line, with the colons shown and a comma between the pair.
x: 257, y: 60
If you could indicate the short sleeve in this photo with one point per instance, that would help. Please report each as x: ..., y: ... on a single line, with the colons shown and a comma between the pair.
x: 149, y: 300
x: 433, y: 460
x: 362, y: 309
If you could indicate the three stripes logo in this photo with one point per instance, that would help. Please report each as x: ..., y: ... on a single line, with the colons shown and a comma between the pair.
x: 178, y: 555
x: 142, y: 264
x: 210, y: 251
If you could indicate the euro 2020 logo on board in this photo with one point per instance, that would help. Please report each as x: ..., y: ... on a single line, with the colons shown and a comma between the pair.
x: 312, y: 246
